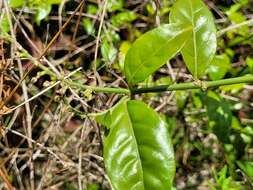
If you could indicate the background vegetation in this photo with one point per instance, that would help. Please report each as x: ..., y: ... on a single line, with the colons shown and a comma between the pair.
x: 47, y: 139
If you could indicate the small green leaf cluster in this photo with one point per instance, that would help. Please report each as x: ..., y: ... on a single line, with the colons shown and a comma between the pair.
x: 42, y: 7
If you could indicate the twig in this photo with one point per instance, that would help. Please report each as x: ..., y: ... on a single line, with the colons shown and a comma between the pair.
x: 78, y: 23
x: 6, y: 181
x: 25, y: 93
x: 41, y: 55
x: 38, y: 144
x: 46, y: 89
x: 61, y: 30
x: 80, y: 160
x: 98, y: 39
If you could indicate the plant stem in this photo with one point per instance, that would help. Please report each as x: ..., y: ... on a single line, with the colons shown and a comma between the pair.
x: 99, y: 89
x: 193, y: 85
x: 163, y: 88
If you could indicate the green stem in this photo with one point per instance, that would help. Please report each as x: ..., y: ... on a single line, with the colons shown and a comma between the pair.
x: 163, y: 88
x: 99, y: 89
x: 193, y: 85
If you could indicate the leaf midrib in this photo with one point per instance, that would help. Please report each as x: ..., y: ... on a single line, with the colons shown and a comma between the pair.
x: 135, y: 142
x: 194, y: 41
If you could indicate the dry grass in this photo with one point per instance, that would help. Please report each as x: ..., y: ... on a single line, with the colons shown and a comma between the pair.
x: 47, y: 141
x: 43, y: 144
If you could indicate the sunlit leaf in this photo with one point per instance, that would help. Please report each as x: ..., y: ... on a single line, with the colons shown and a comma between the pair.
x: 152, y: 50
x: 138, y: 152
x: 88, y: 26
x: 4, y: 25
x: 16, y: 3
x: 54, y: 1
x: 219, y: 67
x: 233, y: 88
x: 124, y: 47
x: 200, y: 49
x: 42, y: 12
x: 109, y: 52
x: 114, y: 5
x: 123, y: 18
x: 237, y: 17
x: 247, y: 168
x: 249, y: 62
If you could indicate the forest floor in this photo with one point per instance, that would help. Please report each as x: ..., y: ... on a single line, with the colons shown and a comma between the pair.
x: 47, y: 141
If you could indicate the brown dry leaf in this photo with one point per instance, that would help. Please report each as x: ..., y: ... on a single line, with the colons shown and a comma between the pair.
x: 2, y: 134
x: 5, y: 110
x: 64, y: 43
x: 71, y: 126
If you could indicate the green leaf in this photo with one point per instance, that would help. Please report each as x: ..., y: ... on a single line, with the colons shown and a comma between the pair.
x: 152, y: 50
x: 54, y: 1
x: 88, y: 26
x: 92, y: 9
x: 249, y: 62
x: 233, y: 88
x: 151, y: 10
x: 163, y: 81
x: 236, y: 17
x: 225, y: 182
x: 42, y: 12
x: 181, y: 98
x: 114, y: 5
x: 124, y: 47
x: 4, y: 25
x: 247, y: 168
x: 138, y: 153
x: 220, y: 116
x: 219, y: 67
x: 93, y: 187
x: 108, y: 51
x: 123, y: 18
x: 16, y: 3
x: 200, y: 49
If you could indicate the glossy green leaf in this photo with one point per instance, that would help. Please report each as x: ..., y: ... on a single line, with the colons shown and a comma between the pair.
x: 138, y: 153
x: 152, y: 50
x: 219, y: 67
x: 220, y: 116
x: 247, y: 168
x: 200, y: 49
